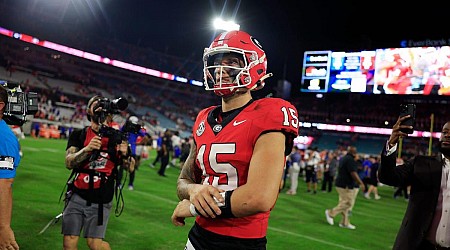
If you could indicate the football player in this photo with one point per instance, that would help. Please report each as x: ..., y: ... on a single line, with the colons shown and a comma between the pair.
x: 230, y: 181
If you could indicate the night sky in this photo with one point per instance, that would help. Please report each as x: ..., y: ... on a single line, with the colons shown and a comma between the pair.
x: 285, y: 28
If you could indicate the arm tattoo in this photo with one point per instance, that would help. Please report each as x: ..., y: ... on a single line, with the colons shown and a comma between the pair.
x: 190, y: 174
x: 74, y: 157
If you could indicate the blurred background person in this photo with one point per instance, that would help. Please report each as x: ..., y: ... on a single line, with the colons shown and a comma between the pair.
x: 176, y: 145
x: 134, y: 130
x: 166, y: 149
x: 158, y: 150
x: 294, y: 170
x: 373, y: 180
x: 330, y: 168
x: 312, y: 159
x: 345, y: 186
x: 185, y: 149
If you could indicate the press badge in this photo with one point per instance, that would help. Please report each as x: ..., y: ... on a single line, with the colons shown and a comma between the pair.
x: 6, y: 162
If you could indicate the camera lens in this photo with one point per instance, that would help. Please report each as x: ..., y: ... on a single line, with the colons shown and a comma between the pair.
x: 119, y: 103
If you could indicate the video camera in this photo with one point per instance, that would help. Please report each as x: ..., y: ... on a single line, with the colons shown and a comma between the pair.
x: 20, y: 104
x: 114, y: 135
x: 112, y: 106
x: 108, y: 107
x: 130, y: 127
x: 117, y: 136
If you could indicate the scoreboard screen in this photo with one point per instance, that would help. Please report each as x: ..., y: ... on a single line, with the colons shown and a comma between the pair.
x: 422, y: 70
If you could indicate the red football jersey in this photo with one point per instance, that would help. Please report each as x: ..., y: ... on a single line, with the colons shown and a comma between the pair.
x: 225, y: 148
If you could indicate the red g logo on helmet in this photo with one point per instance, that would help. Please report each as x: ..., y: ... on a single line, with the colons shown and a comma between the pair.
x: 234, y: 60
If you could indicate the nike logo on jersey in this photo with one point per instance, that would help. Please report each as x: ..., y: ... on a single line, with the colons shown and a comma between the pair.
x: 235, y: 123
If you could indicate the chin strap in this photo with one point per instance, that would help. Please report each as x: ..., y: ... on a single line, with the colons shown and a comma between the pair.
x: 260, y: 83
x: 265, y: 77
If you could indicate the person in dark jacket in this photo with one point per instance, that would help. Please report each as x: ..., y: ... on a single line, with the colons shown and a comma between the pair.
x: 427, y: 218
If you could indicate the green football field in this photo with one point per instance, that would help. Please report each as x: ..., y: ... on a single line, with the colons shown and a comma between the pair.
x: 296, y: 222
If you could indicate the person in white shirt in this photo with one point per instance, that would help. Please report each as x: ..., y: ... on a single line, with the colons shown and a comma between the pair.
x: 176, y: 144
x: 427, y: 218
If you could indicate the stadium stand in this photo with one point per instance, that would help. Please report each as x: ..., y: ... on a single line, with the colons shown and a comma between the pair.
x: 64, y: 82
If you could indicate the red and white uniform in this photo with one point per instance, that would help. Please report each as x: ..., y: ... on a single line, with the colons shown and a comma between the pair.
x: 225, y: 148
x: 103, y: 164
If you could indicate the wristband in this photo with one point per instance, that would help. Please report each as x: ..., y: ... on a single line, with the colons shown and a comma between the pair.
x: 193, y: 210
x: 226, y: 208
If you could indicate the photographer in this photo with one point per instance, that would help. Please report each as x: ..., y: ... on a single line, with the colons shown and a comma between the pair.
x: 94, y: 154
x: 9, y: 161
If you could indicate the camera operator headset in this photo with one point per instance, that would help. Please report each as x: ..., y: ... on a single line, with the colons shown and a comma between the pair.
x: 94, y: 154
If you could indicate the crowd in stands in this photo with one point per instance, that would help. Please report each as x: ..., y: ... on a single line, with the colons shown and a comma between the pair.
x: 54, y: 86
x: 180, y: 102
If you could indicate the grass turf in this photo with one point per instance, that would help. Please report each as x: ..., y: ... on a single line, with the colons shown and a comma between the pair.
x: 297, y: 222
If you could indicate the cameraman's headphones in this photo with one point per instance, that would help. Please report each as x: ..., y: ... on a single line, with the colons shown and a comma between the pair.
x: 90, y: 102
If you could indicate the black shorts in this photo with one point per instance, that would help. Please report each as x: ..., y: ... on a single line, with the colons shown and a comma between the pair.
x: 311, y: 176
x: 374, y: 181
x: 201, y: 239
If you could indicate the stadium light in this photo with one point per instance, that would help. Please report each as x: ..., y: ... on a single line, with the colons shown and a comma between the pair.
x: 220, y: 24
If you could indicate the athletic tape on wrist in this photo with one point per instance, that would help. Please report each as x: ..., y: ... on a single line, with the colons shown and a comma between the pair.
x: 220, y: 204
x: 193, y: 210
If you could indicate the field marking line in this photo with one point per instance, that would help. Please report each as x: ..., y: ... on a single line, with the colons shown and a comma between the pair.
x: 157, y: 197
x: 33, y: 149
x: 311, y: 238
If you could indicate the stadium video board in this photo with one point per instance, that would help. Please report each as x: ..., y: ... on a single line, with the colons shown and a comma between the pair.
x: 421, y: 70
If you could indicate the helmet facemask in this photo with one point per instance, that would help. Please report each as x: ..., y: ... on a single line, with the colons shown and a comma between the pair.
x: 226, y: 70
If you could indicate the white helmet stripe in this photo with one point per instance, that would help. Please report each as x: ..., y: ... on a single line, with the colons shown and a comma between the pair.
x: 222, y: 36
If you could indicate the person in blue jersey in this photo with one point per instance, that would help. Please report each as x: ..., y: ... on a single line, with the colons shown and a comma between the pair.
x: 132, y: 142
x: 295, y: 158
x: 159, y: 150
x: 9, y: 161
